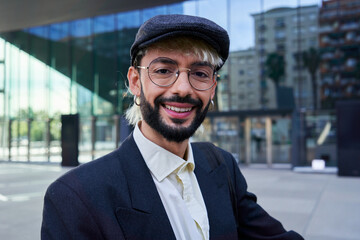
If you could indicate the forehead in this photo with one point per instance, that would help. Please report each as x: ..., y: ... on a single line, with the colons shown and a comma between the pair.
x: 179, y: 56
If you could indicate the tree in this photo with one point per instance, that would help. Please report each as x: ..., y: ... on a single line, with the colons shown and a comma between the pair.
x: 275, y: 69
x: 311, y: 61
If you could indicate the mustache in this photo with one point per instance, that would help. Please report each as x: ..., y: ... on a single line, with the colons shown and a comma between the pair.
x: 187, y: 99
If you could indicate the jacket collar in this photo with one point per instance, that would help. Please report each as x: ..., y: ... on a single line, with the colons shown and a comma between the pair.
x: 147, y: 217
x: 145, y: 198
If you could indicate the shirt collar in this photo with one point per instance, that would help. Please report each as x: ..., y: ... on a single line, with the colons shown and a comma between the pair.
x: 160, y: 161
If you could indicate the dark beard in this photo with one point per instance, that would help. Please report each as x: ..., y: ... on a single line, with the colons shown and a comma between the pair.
x: 173, y: 134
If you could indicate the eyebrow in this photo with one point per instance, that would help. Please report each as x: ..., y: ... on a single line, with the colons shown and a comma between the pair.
x: 164, y: 60
x: 195, y: 64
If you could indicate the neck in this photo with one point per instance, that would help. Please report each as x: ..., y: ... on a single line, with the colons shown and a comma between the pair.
x: 177, y: 148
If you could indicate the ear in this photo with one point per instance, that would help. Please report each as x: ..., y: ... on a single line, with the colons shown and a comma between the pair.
x: 134, y: 81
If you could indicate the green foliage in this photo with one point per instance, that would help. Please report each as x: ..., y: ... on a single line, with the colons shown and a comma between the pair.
x: 39, y: 127
x: 275, y: 67
x: 311, y: 61
x: 55, y: 130
x: 19, y: 129
x: 38, y: 131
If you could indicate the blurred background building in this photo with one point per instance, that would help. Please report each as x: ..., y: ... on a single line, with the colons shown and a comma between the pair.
x: 285, y: 33
x: 340, y: 51
x: 290, y: 62
x: 243, y: 71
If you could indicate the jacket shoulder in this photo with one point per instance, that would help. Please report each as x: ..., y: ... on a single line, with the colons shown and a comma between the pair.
x: 103, y: 170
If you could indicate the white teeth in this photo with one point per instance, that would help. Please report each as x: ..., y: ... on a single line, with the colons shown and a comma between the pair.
x: 176, y: 109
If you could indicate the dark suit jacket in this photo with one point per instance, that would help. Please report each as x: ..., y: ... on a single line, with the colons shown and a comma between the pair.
x: 115, y: 197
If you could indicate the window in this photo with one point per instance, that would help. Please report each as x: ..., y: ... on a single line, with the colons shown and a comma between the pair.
x: 250, y: 60
x: 312, y: 42
x: 280, y: 47
x: 262, y: 27
x: 312, y: 16
x: 313, y: 29
x: 250, y: 84
x: 279, y: 22
x: 279, y: 35
x: 295, y: 18
x: 262, y: 40
x: 296, y: 30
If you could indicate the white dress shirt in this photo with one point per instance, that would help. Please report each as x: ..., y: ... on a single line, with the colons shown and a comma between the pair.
x: 178, y: 188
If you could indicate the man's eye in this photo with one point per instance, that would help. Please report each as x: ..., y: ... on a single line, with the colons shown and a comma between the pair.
x: 162, y: 71
x: 200, y: 74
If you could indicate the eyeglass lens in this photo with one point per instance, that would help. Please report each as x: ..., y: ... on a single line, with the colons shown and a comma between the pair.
x: 164, y: 72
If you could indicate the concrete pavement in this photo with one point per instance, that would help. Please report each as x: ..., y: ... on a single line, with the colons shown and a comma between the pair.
x: 318, y: 206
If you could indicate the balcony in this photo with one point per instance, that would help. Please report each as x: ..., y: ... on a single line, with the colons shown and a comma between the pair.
x: 280, y: 25
x: 326, y: 29
x: 349, y: 26
x: 328, y: 15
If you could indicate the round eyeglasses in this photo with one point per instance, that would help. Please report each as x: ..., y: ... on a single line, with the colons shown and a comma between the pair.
x: 164, y: 72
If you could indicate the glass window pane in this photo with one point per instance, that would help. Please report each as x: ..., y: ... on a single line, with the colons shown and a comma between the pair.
x: 55, y: 139
x: 105, y: 141
x: 151, y: 12
x: 80, y: 28
x: 104, y: 24
x: 24, y: 65
x: 105, y: 43
x: 14, y: 80
x: 38, y: 148
x: 176, y: 8
x: 128, y: 20
x: 281, y: 140
x: 82, y: 66
x: 128, y: 24
x: 59, y: 71
x: 2, y: 77
x: 85, y: 154
x: 2, y: 49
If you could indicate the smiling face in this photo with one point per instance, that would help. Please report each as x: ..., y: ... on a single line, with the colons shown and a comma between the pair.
x: 173, y: 112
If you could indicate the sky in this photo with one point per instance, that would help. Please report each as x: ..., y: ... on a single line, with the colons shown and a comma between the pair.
x: 242, y: 24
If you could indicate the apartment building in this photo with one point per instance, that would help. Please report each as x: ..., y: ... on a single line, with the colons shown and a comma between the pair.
x: 286, y: 31
x: 339, y: 40
x: 241, y: 70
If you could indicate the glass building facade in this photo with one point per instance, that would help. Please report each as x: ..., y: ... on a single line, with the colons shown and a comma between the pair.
x: 80, y: 67
x: 75, y: 67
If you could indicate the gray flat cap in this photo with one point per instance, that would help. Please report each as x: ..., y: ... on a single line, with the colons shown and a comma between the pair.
x: 165, y: 26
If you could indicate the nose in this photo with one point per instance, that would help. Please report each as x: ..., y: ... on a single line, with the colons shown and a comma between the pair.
x: 182, y: 85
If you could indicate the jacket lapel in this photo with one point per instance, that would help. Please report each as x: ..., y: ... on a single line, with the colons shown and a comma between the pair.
x: 215, y: 191
x: 147, y: 218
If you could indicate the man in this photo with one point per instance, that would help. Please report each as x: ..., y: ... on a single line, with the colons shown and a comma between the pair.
x: 157, y: 185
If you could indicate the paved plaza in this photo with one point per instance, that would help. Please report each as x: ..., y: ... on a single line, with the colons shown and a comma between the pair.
x: 318, y: 206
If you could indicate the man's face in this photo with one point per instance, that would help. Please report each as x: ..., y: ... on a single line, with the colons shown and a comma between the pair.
x: 175, y: 111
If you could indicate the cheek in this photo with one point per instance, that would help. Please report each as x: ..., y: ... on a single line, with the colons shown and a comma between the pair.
x: 151, y: 91
x: 205, y: 99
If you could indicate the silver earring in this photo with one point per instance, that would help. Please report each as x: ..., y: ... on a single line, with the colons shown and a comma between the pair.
x: 212, y: 103
x: 136, y: 102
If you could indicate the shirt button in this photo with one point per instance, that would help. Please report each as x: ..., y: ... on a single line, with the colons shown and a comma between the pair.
x: 187, y: 198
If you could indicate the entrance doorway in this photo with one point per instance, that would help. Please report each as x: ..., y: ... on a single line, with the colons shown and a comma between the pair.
x: 253, y: 137
x: 268, y: 140
x: 258, y: 140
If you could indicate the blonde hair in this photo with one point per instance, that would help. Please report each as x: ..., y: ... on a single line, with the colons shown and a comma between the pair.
x: 185, y: 44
